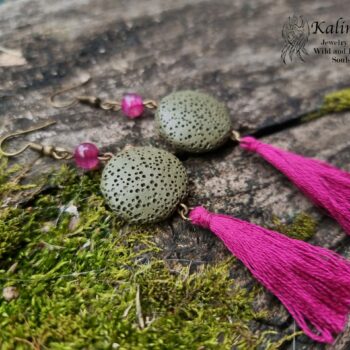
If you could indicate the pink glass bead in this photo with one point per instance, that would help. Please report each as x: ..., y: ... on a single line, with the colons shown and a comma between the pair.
x: 86, y: 156
x: 132, y: 105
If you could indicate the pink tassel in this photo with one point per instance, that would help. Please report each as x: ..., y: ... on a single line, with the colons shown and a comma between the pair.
x: 313, y: 283
x: 326, y: 185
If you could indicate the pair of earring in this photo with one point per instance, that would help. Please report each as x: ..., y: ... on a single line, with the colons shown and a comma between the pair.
x: 147, y: 185
x: 195, y: 122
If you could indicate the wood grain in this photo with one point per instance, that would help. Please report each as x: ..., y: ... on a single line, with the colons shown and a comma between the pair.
x: 230, y: 49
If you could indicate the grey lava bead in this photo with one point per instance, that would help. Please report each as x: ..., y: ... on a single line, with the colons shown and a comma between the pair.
x: 193, y: 121
x: 144, y: 184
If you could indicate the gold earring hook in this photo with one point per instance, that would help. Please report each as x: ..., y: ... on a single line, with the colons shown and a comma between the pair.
x: 70, y: 103
x: 32, y: 145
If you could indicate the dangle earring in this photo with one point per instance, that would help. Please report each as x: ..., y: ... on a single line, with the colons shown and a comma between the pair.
x: 132, y: 105
x: 196, y: 122
x: 147, y: 185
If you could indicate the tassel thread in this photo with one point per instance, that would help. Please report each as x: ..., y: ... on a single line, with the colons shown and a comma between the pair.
x: 325, y: 185
x: 313, y: 283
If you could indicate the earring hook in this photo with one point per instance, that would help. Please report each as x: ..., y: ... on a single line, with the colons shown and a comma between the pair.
x: 28, y: 145
x: 71, y: 103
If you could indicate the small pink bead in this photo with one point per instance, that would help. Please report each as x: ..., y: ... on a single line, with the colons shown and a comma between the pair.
x: 86, y: 156
x: 132, y: 105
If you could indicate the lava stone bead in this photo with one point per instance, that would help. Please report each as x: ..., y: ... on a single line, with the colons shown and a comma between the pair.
x: 193, y: 121
x: 144, y: 184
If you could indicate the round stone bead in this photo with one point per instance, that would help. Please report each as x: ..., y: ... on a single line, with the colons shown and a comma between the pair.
x: 132, y: 105
x: 144, y: 184
x: 86, y: 156
x: 193, y: 121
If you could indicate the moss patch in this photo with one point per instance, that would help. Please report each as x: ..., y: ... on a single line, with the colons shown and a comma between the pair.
x: 302, y: 226
x: 85, y: 281
x: 337, y: 101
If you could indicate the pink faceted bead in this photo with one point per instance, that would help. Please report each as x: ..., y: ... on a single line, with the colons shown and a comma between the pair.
x: 132, y: 105
x: 86, y: 156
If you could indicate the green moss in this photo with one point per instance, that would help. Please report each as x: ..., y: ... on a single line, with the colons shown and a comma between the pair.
x: 302, y: 226
x: 9, y: 183
x: 338, y: 101
x: 87, y: 282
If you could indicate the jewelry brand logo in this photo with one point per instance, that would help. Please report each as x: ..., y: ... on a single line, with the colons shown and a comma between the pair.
x: 296, y: 33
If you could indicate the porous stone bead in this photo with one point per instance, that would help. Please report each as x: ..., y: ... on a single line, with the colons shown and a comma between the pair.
x: 144, y: 184
x: 132, y: 105
x: 193, y: 121
x: 86, y: 156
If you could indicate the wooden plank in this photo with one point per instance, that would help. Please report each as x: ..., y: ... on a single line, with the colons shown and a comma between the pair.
x: 229, y: 49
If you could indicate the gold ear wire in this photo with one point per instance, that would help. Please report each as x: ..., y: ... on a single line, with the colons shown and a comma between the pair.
x: 70, y: 103
x: 32, y: 145
x: 51, y: 151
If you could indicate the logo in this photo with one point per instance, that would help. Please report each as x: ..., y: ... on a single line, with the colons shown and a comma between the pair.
x: 295, y: 36
x: 328, y: 40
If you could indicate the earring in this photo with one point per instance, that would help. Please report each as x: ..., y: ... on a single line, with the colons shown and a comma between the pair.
x: 147, y: 185
x: 132, y: 105
x: 195, y: 122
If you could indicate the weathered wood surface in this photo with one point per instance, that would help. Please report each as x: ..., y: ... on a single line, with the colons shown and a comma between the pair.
x: 230, y: 49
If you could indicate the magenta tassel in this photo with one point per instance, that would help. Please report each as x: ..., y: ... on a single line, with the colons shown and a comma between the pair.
x: 327, y: 186
x: 313, y: 283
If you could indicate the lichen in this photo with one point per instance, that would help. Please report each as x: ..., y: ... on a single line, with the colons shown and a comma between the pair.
x: 85, y: 281
x: 334, y: 102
